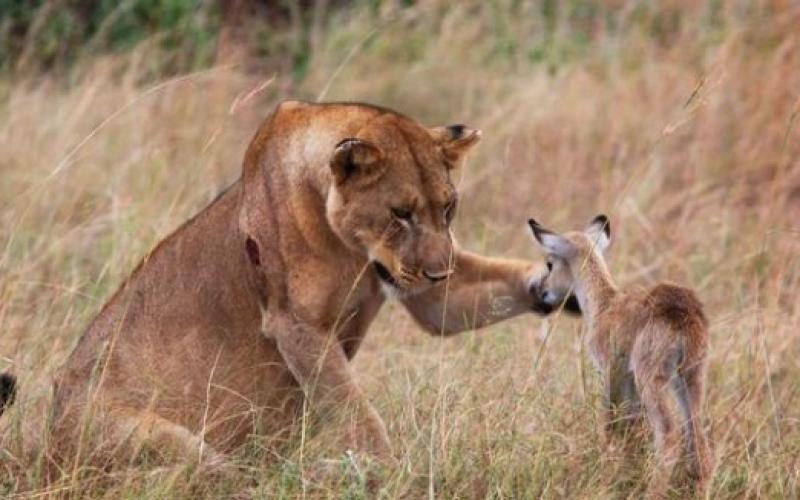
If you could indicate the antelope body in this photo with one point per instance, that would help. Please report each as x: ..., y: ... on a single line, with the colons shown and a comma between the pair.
x: 650, y: 346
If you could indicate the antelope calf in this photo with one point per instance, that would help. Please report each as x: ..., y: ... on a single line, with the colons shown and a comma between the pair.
x: 650, y: 346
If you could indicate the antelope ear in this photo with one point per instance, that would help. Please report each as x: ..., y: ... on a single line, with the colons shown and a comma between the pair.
x: 355, y: 159
x: 554, y: 244
x: 455, y: 141
x: 599, y: 232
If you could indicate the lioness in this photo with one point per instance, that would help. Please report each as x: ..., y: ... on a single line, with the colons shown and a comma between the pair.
x: 257, y: 303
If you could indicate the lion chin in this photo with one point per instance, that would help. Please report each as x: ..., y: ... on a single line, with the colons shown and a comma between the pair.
x: 404, y: 282
x: 391, y: 286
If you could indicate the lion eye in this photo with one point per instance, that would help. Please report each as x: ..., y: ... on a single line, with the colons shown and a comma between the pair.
x: 402, y: 214
x: 449, y: 212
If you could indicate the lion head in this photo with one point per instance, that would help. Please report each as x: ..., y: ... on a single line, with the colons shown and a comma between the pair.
x: 393, y: 198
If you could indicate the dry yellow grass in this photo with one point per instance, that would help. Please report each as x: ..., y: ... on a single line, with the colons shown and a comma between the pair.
x: 688, y: 140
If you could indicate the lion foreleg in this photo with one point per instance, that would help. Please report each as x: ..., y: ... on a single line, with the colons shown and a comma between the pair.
x: 318, y: 363
x: 481, y: 291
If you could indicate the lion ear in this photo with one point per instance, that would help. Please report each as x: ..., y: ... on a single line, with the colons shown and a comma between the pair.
x: 455, y: 141
x: 355, y: 159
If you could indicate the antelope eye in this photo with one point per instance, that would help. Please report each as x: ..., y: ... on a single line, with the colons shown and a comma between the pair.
x: 402, y: 214
x: 549, y: 265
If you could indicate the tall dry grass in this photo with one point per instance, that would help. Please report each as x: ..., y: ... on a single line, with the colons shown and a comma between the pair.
x: 685, y: 135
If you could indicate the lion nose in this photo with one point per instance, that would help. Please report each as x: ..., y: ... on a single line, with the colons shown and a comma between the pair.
x: 437, y: 275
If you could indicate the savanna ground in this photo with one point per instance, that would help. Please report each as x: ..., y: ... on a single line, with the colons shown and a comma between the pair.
x: 676, y: 119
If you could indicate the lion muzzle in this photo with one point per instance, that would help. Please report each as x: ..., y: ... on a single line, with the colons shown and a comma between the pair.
x: 436, y: 276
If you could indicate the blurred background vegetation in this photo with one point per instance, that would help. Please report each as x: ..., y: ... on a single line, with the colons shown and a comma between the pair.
x: 187, y: 35
x: 678, y: 118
